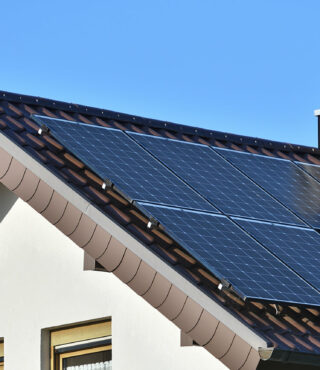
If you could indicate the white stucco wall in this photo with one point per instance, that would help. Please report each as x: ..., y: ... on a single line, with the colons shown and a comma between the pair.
x: 42, y: 284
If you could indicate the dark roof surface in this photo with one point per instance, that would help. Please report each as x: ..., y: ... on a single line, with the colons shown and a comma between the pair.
x: 287, y: 327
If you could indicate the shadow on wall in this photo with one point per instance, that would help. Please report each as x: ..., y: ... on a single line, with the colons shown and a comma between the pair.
x: 7, y: 200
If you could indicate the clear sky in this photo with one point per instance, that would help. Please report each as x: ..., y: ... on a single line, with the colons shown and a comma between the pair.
x: 249, y: 67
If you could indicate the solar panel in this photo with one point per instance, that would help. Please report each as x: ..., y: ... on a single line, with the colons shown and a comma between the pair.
x: 292, y: 186
x: 312, y: 169
x: 297, y: 247
x: 216, y: 179
x: 165, y: 191
x: 116, y: 157
x: 229, y: 253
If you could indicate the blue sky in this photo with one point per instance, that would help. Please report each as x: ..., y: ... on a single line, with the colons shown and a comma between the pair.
x: 246, y: 67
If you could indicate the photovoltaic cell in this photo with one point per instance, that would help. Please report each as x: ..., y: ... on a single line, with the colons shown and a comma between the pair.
x: 299, y: 248
x: 312, y: 169
x: 215, y: 240
x: 229, y: 253
x: 216, y: 179
x: 292, y: 186
x: 114, y: 156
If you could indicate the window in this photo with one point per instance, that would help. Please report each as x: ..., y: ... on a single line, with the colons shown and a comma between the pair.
x: 1, y: 355
x: 84, y: 347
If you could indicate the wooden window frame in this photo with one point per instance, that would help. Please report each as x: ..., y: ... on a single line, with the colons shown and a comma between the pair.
x: 78, y: 340
x: 61, y: 356
x: 1, y: 355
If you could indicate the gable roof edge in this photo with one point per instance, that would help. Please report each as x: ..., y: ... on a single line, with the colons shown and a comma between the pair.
x: 231, y: 322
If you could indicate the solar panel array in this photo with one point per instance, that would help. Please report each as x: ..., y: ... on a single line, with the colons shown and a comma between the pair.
x: 284, y: 180
x: 216, y: 179
x: 298, y: 247
x: 114, y: 156
x: 230, y: 253
x: 311, y: 169
x: 185, y: 186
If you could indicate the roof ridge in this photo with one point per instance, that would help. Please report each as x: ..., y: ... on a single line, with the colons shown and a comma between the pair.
x: 158, y: 124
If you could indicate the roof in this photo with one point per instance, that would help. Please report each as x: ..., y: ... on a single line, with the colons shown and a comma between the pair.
x: 291, y: 333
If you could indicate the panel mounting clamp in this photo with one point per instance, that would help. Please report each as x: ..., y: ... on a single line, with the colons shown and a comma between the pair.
x: 107, y: 184
x: 152, y: 223
x: 224, y: 284
x: 277, y: 308
x: 43, y: 130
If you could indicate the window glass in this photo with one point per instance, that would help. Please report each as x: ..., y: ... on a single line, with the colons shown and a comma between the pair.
x: 92, y: 361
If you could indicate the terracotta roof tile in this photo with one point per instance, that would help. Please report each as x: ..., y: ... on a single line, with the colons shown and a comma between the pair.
x: 266, y: 152
x: 74, y: 162
x: 30, y: 125
x: 65, y: 115
x: 47, y: 112
x: 101, y: 122
x: 153, y: 132
x: 166, y: 239
x: 3, y: 125
x: 84, y: 119
x: 117, y: 214
x: 95, y: 179
x: 97, y: 196
x: 141, y: 234
x: 186, y: 258
x: 282, y: 155
x: 34, y: 141
x: 312, y: 159
x: 56, y: 161
x: 235, y: 147
x: 15, y: 109
x: 14, y: 124
x: 75, y: 177
x: 205, y: 275
x: 53, y: 144
x: 166, y: 254
x: 250, y: 149
x: 29, y: 109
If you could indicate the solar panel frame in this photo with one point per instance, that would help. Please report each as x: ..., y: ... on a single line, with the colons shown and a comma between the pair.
x: 312, y: 169
x: 283, y: 179
x: 297, y: 247
x: 114, y: 156
x: 214, y: 178
x: 290, y: 289
x: 228, y: 252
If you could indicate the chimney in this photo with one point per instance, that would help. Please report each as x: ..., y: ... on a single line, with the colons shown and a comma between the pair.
x: 317, y: 114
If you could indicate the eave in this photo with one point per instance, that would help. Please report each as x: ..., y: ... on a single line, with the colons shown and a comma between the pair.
x: 188, y: 307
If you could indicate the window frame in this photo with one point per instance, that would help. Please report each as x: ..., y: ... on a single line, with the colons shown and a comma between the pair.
x: 62, y: 356
x: 1, y: 355
x: 77, y: 340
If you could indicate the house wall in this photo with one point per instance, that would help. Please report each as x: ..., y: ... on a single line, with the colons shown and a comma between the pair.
x: 42, y: 285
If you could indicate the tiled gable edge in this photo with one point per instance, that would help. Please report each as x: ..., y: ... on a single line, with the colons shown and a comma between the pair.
x: 80, y: 226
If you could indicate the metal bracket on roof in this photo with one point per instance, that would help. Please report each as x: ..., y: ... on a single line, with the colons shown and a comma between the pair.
x: 122, y: 194
x: 153, y: 223
x: 43, y: 130
x: 278, y: 309
x: 224, y: 284
x: 107, y: 184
